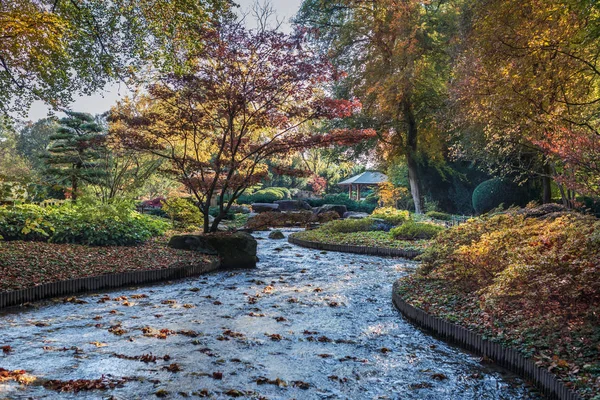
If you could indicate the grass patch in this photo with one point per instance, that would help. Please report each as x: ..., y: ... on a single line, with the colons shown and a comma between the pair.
x: 374, y: 239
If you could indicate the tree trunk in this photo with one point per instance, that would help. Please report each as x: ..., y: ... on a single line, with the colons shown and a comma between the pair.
x: 547, y: 190
x: 74, y: 188
x: 206, y: 223
x: 411, y: 152
x: 547, y: 184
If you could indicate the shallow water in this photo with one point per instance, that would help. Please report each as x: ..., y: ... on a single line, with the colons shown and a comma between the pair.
x: 339, y: 337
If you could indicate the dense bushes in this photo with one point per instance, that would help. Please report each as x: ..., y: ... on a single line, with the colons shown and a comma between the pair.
x: 99, y: 225
x: 267, y: 195
x: 342, y: 198
x: 491, y: 193
x: 415, y: 230
x: 391, y: 215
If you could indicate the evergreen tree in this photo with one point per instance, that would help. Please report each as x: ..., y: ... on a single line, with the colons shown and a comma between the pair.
x: 74, y: 152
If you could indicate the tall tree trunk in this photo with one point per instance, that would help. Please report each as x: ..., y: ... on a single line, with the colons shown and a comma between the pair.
x: 547, y: 185
x: 411, y: 153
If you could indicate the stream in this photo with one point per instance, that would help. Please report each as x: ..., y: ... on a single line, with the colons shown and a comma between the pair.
x: 305, y: 324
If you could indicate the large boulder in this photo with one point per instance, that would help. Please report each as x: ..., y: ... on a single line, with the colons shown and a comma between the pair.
x: 338, y: 208
x: 265, y: 207
x: 293, y: 205
x: 276, y: 234
x: 235, y: 250
x: 355, y: 215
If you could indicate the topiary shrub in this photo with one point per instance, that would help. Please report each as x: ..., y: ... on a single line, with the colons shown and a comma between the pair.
x: 266, y: 195
x: 442, y: 216
x: 415, y: 230
x: 391, y: 215
x: 343, y: 199
x: 493, y: 192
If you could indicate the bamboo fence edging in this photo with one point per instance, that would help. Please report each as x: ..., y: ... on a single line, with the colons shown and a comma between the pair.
x: 344, y: 248
x: 549, y: 384
x: 101, y: 282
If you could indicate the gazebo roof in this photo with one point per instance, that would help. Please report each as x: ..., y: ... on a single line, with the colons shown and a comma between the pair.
x: 366, y: 178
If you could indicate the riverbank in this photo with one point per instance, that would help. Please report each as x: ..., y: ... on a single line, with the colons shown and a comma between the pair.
x: 525, y: 279
x: 28, y: 264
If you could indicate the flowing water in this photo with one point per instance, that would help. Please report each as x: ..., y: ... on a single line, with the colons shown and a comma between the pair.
x: 305, y: 324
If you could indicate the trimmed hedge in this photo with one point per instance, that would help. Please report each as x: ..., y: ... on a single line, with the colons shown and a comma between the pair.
x: 342, y: 198
x: 267, y: 195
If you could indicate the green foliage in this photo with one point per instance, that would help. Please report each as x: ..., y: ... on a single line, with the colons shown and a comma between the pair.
x: 25, y: 222
x: 342, y: 198
x: 391, y: 215
x: 267, y: 195
x: 494, y: 192
x: 75, y: 152
x: 415, y: 230
x: 97, y: 225
x: 348, y: 225
x: 439, y: 215
x: 183, y: 213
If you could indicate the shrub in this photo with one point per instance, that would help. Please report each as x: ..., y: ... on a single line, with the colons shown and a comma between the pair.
x: 25, y: 222
x: 183, y: 213
x: 266, y: 195
x: 391, y: 215
x: 103, y: 225
x: 415, y: 230
x: 342, y: 198
x: 82, y: 224
x: 493, y: 192
x: 439, y: 215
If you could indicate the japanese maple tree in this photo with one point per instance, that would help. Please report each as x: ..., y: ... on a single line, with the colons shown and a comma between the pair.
x: 248, y: 98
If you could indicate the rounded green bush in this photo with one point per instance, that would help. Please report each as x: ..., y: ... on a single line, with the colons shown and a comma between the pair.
x: 348, y: 225
x: 442, y: 216
x: 493, y: 192
x: 415, y: 230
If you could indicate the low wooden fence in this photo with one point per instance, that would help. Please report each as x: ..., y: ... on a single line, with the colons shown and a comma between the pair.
x: 101, y: 282
x: 368, y: 250
x: 511, y: 359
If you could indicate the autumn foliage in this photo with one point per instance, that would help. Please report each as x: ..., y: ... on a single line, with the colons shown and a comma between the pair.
x: 247, y: 99
x: 526, y: 277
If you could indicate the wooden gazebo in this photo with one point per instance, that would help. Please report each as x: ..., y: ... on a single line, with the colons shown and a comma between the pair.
x: 366, y: 179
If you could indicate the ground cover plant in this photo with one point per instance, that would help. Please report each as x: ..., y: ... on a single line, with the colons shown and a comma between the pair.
x: 529, y: 279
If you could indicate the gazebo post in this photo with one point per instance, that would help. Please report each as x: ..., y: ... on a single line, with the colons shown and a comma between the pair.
x: 357, y: 192
x: 350, y: 191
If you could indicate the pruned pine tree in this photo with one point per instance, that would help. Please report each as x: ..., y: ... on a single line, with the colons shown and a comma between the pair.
x: 74, y: 152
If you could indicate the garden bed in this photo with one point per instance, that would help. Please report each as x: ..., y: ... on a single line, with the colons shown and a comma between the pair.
x: 28, y: 264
